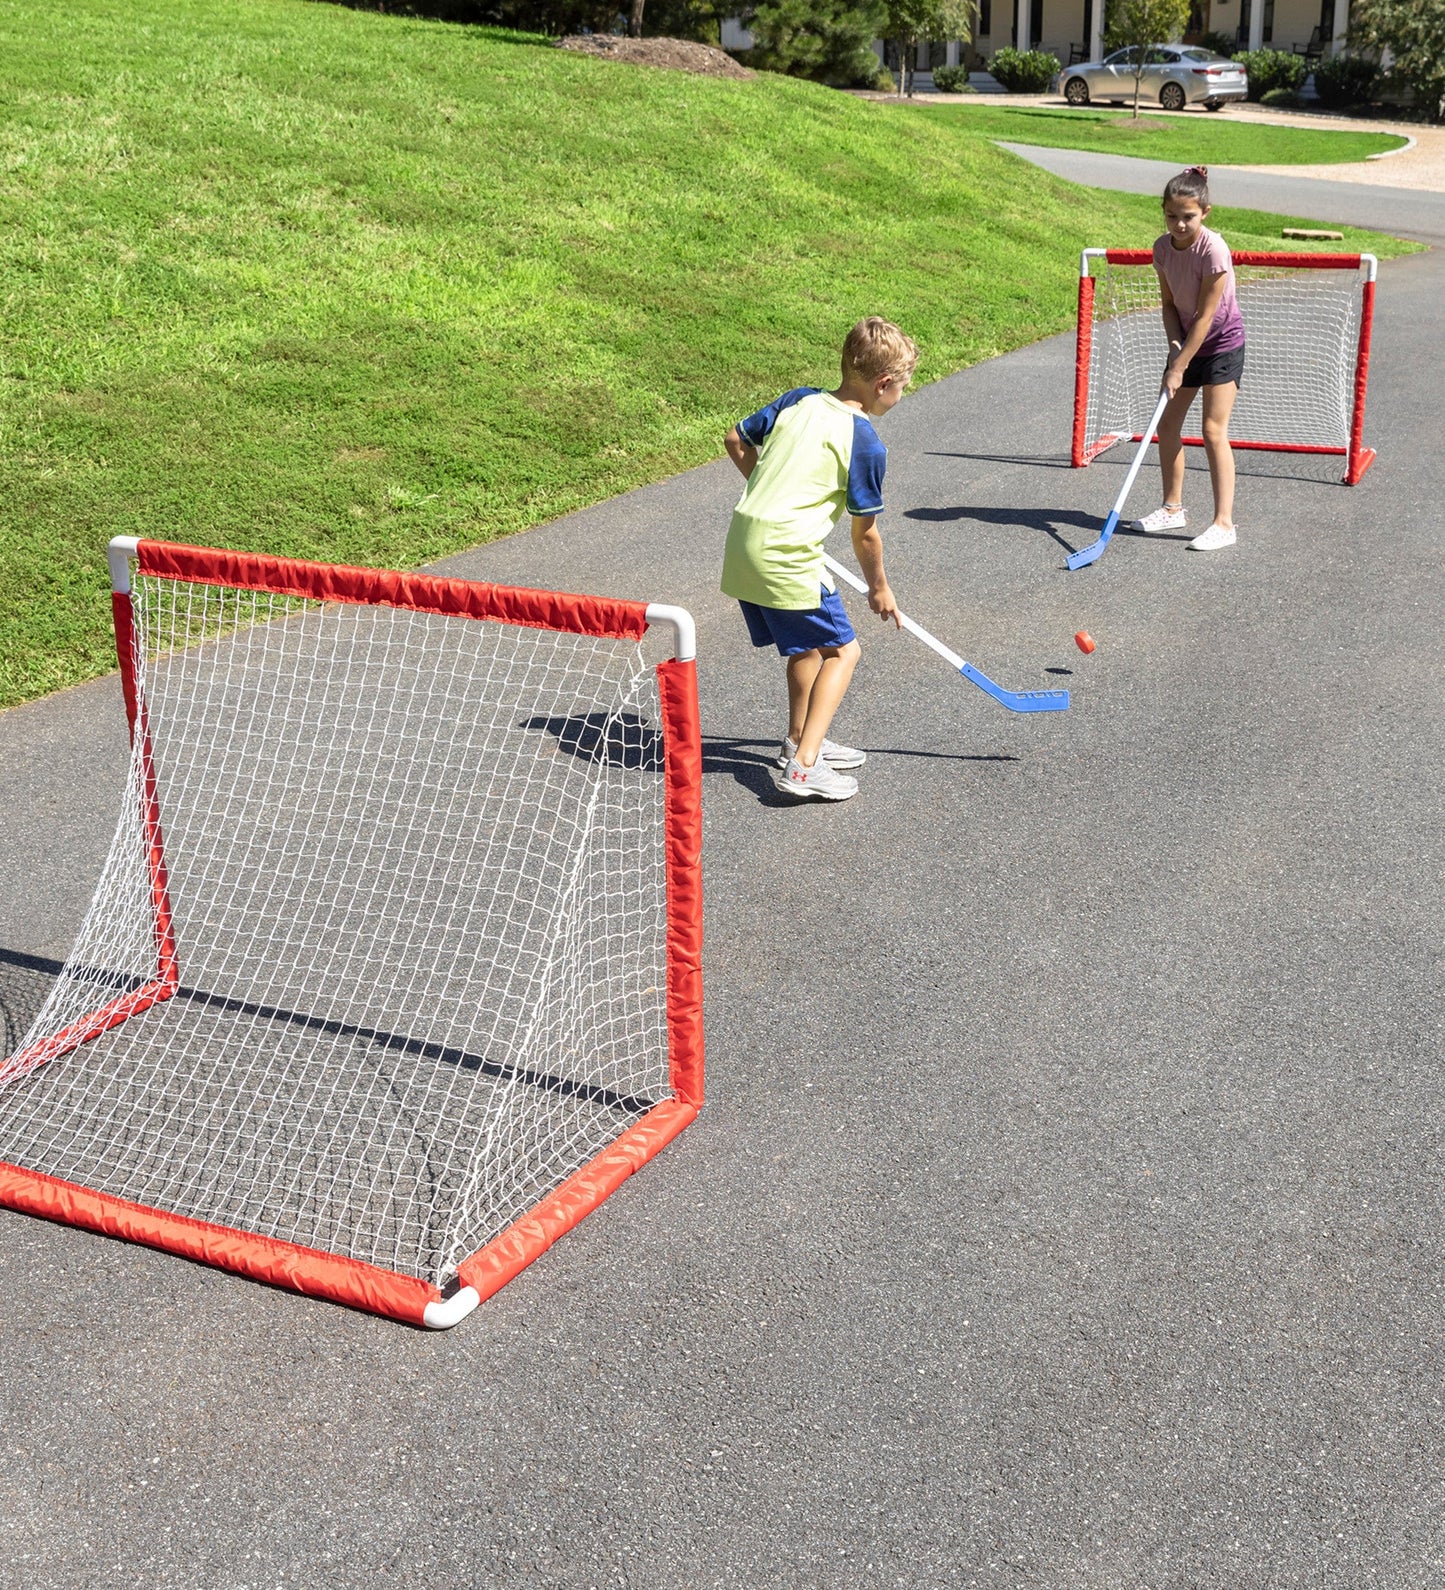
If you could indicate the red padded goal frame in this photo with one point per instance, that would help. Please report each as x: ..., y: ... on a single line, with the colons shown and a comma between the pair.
x: 311, y: 1271
x: 1358, y: 457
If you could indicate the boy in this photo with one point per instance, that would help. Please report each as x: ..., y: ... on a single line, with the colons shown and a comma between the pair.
x: 807, y: 456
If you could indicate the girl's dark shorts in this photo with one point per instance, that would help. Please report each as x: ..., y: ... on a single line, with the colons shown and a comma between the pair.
x: 1214, y: 369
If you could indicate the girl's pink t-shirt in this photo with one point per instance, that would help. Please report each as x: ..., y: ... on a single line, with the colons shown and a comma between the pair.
x: 1185, y: 269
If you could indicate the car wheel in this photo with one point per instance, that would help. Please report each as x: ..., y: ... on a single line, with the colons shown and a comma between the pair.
x: 1076, y: 91
x: 1171, y: 97
x: 1214, y: 104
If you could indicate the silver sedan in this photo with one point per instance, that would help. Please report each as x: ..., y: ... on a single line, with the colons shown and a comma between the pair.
x: 1175, y: 75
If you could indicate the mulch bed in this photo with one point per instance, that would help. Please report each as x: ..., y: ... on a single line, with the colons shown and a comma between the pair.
x: 680, y: 55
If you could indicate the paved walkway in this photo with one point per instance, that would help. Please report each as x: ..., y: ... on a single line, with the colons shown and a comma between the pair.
x: 1422, y: 166
x: 1406, y: 212
x: 1067, y: 1213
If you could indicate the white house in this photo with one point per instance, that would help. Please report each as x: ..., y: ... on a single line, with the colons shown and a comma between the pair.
x: 1073, y: 30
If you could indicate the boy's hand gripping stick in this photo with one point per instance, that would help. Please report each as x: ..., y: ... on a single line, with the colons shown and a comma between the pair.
x: 1088, y: 554
x: 1014, y: 700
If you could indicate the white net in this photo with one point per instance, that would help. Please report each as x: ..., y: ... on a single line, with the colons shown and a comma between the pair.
x: 1302, y: 328
x: 416, y: 871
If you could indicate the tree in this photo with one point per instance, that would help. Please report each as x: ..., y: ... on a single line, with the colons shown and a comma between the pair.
x: 1413, y: 31
x: 827, y: 40
x: 911, y: 21
x: 1136, y: 24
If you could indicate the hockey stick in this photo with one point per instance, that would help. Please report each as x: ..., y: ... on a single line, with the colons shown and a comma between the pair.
x: 1014, y: 700
x: 1088, y: 554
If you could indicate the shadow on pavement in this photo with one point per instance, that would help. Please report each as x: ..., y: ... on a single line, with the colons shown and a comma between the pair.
x: 1050, y: 461
x: 25, y: 980
x: 750, y: 762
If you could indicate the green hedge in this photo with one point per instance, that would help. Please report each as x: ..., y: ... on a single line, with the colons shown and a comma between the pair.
x: 1271, y: 69
x: 950, y: 79
x: 1024, y: 71
x: 1345, y: 80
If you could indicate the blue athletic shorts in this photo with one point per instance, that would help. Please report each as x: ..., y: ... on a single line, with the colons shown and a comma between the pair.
x: 794, y: 633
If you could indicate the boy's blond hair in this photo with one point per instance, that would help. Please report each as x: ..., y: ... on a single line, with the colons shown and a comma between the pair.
x: 877, y: 347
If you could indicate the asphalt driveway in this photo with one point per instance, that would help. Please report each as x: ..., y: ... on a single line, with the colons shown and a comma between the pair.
x: 1067, y: 1211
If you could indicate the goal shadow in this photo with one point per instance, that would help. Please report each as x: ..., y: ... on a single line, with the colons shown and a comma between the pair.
x: 1053, y: 522
x: 622, y: 740
x: 25, y: 983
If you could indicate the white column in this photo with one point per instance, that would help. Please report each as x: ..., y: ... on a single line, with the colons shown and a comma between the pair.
x: 1096, y: 32
x: 1256, y: 24
x: 920, y: 56
x: 950, y: 53
x: 1022, y: 9
x: 1342, y: 26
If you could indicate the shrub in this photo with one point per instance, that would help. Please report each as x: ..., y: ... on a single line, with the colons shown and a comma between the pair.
x: 1271, y: 69
x: 1281, y: 99
x: 826, y: 40
x: 1345, y: 80
x: 950, y: 79
x: 1221, y: 43
x: 1024, y: 71
x: 1413, y: 31
x: 883, y: 81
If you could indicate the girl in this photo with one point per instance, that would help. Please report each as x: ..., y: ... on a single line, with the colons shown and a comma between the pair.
x: 1206, y: 346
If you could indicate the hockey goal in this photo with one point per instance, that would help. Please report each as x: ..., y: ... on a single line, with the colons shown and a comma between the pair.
x: 393, y: 971
x: 1307, y: 318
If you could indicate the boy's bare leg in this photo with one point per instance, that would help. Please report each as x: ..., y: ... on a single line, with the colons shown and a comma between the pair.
x: 1218, y: 406
x: 802, y: 671
x: 1171, y: 449
x: 829, y: 687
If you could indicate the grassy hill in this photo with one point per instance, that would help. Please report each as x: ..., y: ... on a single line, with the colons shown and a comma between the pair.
x: 297, y: 278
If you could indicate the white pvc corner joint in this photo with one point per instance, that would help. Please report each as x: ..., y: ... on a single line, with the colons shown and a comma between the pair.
x: 1087, y: 255
x: 1371, y: 265
x: 684, y: 631
x: 442, y: 1316
x: 118, y: 555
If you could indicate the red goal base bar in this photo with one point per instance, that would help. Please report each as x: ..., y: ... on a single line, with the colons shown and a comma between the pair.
x: 1351, y: 477
x: 331, y: 1276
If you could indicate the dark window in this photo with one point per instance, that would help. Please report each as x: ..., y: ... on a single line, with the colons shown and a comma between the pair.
x: 985, y: 17
x: 1036, y: 23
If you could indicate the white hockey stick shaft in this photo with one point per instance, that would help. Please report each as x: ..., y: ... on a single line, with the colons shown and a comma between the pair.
x: 903, y: 619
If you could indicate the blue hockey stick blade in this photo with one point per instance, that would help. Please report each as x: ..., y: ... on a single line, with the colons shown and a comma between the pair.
x: 1086, y: 555
x: 1018, y: 700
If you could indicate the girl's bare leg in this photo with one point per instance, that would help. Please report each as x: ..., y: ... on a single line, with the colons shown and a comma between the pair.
x: 1171, y: 449
x: 1218, y: 406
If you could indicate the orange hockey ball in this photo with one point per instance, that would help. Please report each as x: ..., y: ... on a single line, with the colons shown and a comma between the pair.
x: 1084, y: 641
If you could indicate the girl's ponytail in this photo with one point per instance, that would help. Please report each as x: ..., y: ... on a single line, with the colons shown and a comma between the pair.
x: 1192, y: 183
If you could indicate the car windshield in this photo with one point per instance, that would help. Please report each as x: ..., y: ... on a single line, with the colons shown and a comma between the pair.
x: 1121, y: 57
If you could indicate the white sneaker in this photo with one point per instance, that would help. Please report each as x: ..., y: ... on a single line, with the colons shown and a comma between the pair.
x: 1214, y: 539
x: 818, y: 783
x: 839, y: 756
x: 1161, y: 521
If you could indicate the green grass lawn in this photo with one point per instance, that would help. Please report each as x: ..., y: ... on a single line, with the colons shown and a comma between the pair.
x: 286, y: 276
x: 1189, y: 139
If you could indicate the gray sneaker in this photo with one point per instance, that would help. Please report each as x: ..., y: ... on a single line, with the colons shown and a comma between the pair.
x: 817, y: 783
x: 835, y: 755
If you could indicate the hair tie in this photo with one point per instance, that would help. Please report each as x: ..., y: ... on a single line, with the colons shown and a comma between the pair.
x: 1202, y: 171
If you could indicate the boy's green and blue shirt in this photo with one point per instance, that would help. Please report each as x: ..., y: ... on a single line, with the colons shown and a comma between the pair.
x: 816, y: 457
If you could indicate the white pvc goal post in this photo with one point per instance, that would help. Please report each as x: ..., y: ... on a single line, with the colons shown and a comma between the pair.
x: 394, y: 968
x: 1308, y: 320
